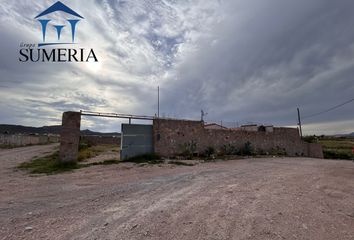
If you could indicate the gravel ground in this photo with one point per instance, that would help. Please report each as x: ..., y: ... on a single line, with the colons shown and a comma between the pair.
x: 268, y: 198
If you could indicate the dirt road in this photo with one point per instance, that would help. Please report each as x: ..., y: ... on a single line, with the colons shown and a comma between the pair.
x: 274, y: 198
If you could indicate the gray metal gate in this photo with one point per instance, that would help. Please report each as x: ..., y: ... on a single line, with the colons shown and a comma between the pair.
x: 136, y: 139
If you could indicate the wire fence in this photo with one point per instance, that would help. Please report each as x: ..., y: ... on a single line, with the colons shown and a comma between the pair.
x: 234, y: 124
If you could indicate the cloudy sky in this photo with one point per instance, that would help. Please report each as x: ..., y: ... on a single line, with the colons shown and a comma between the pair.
x: 241, y: 61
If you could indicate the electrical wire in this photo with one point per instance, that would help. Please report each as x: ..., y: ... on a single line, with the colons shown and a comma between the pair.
x: 328, y: 110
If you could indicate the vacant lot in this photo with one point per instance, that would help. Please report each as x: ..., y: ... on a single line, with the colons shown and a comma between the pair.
x: 274, y: 198
x: 338, y: 147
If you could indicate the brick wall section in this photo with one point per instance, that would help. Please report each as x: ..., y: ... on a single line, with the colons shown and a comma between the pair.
x: 169, y: 135
x: 70, y: 137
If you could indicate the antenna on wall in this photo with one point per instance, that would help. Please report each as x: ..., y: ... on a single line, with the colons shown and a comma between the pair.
x: 158, y: 101
x: 202, y: 115
x: 299, y: 121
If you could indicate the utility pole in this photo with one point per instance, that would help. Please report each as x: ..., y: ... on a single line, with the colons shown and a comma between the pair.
x: 299, y: 121
x: 158, y: 101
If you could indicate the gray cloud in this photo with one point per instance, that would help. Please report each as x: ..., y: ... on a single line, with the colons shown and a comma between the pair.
x: 277, y: 58
x: 241, y: 61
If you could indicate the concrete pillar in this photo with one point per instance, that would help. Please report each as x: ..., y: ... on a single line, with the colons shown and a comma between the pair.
x: 70, y: 137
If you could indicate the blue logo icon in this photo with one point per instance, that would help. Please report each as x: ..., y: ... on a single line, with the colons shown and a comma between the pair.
x: 45, y: 22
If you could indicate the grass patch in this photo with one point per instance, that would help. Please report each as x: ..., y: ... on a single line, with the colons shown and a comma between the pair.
x: 150, y: 158
x: 51, y: 165
x: 337, y: 144
x: 48, y: 165
x: 336, y: 154
x: 106, y: 162
x: 87, y: 151
x: 337, y: 148
x: 6, y: 146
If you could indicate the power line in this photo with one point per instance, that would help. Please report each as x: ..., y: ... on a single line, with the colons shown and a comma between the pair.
x: 328, y: 110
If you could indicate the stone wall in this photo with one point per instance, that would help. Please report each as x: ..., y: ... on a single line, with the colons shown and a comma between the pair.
x: 171, y: 135
x: 70, y: 136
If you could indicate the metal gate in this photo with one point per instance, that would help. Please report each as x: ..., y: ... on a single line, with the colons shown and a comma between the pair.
x: 136, y: 139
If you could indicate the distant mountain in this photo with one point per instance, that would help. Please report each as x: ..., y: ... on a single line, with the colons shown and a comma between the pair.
x: 55, y: 129
x: 89, y: 132
x: 13, y: 129
x: 347, y: 135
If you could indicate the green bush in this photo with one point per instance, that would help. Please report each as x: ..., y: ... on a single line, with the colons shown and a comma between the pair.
x: 83, y: 146
x: 228, y: 149
x: 188, y: 149
x: 310, y: 139
x: 278, y: 151
x: 332, y: 154
x: 209, y: 151
x: 247, y: 150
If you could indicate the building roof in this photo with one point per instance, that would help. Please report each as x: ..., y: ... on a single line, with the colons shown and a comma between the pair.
x: 249, y: 125
x: 58, y: 6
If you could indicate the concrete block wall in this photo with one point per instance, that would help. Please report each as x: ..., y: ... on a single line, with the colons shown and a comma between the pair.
x: 24, y: 140
x: 70, y: 137
x: 315, y: 150
x: 19, y: 140
x: 170, y: 135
